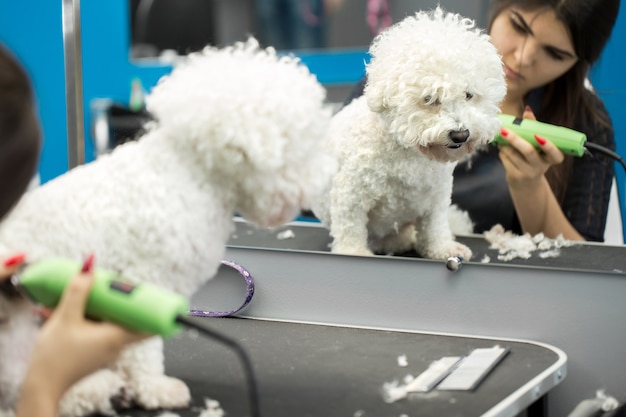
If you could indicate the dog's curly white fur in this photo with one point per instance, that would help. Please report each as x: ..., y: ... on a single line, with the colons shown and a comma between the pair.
x: 434, y: 84
x: 236, y: 130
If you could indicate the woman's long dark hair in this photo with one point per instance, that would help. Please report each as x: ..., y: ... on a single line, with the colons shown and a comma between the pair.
x: 19, y: 132
x: 566, y: 101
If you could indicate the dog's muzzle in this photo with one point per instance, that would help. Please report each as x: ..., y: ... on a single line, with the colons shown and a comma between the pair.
x: 458, y: 138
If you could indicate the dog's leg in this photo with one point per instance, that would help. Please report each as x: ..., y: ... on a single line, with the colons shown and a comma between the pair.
x: 136, y: 378
x: 101, y: 392
x: 434, y: 238
x: 142, y: 367
x: 350, y: 239
x: 18, y: 331
x: 348, y: 219
x: 400, y: 242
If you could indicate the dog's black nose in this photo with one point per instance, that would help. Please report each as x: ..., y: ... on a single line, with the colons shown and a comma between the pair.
x: 459, y: 136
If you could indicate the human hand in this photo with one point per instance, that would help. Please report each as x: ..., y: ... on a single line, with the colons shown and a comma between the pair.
x: 69, y: 346
x: 10, y: 265
x: 9, y: 296
x: 524, y: 164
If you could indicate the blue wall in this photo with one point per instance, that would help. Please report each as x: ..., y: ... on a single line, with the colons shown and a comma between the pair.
x: 608, y: 79
x: 107, y: 70
x: 33, y: 30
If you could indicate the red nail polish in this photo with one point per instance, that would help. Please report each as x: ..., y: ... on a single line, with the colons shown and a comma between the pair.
x: 504, y: 132
x: 540, y: 140
x: 14, y: 260
x: 88, y: 264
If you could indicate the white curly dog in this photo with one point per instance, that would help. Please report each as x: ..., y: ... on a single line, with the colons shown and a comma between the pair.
x: 433, y: 88
x: 237, y: 130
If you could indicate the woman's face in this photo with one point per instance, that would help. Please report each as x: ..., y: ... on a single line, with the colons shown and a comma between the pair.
x: 536, y: 48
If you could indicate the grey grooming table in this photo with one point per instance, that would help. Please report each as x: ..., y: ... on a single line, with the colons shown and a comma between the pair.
x: 310, y: 370
x: 573, y: 302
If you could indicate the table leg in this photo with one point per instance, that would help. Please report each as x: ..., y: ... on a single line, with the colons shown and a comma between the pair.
x: 539, y: 408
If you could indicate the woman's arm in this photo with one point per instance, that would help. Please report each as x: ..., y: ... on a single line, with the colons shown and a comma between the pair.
x: 537, y: 208
x: 539, y: 211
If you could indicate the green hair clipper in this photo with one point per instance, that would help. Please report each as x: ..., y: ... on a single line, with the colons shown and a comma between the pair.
x: 140, y: 307
x: 569, y: 141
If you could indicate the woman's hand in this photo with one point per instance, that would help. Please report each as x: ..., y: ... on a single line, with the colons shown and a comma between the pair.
x: 69, y: 348
x: 9, y: 297
x: 10, y: 265
x: 526, y: 165
x: 535, y: 203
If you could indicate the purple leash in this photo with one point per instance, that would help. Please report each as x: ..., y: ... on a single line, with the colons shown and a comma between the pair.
x: 249, y: 293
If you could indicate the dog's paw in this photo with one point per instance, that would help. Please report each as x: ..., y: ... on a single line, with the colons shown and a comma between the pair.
x: 446, y: 250
x: 349, y: 250
x: 7, y: 413
x: 98, y: 393
x: 161, y: 391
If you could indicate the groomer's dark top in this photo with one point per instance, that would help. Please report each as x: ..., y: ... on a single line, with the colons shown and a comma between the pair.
x: 480, y: 187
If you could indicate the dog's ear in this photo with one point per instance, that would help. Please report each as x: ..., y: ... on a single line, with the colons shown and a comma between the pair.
x: 376, y: 99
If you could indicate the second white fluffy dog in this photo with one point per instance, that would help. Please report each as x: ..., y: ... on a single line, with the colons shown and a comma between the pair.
x: 236, y: 130
x: 433, y: 89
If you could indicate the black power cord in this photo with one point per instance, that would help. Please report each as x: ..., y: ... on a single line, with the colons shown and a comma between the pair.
x: 606, y: 151
x: 253, y: 394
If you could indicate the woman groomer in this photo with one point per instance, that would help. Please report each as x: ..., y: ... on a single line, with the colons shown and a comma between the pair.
x: 547, y: 49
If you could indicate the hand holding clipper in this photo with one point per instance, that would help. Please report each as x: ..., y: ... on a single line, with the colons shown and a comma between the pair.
x: 143, y: 307
x: 569, y: 141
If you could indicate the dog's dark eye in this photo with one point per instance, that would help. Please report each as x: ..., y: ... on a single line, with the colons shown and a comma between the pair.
x: 469, y: 96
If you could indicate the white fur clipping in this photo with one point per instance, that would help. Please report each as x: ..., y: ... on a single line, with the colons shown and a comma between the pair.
x: 403, y: 361
x: 597, y: 406
x: 511, y: 246
x: 212, y: 408
x: 460, y: 221
x: 394, y: 391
